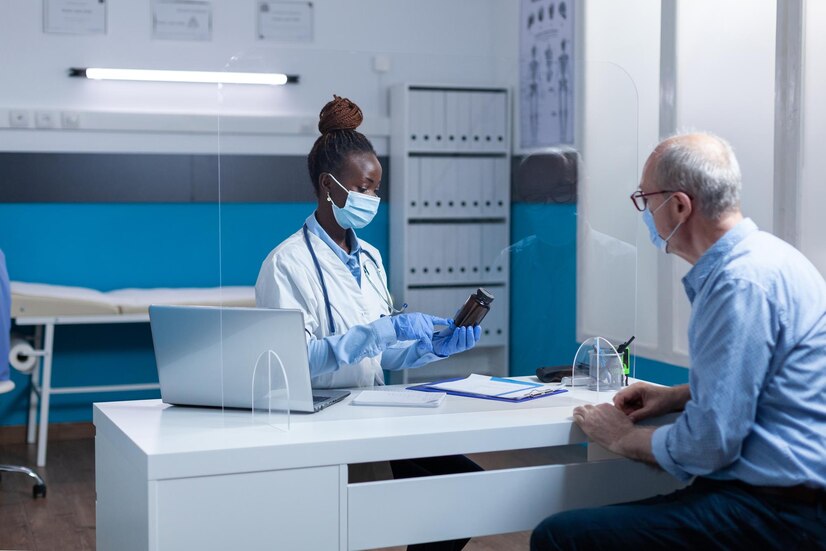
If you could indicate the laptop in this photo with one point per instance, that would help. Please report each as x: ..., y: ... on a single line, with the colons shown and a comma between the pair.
x: 206, y: 356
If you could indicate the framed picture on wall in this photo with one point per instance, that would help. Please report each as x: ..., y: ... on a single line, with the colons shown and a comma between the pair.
x: 74, y: 16
x: 546, y: 98
x: 182, y: 20
x: 280, y: 21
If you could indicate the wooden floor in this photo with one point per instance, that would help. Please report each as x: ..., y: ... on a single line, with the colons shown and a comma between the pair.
x: 65, y: 519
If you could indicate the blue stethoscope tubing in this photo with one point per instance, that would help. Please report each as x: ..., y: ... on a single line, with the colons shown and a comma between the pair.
x: 327, y: 305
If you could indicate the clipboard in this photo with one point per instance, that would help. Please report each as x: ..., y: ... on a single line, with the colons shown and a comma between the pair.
x: 429, y: 387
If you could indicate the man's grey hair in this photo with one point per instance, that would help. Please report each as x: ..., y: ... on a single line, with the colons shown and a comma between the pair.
x: 704, y: 167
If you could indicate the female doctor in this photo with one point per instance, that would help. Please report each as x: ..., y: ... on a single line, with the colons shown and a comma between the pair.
x: 353, y: 329
x: 352, y: 326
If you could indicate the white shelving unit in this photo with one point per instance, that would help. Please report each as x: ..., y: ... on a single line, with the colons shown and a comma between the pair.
x: 450, y: 212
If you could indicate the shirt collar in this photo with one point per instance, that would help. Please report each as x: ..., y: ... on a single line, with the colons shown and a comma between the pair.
x: 355, y: 248
x: 715, y: 254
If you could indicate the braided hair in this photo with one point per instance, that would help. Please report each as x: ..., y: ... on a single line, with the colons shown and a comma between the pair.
x: 337, y: 123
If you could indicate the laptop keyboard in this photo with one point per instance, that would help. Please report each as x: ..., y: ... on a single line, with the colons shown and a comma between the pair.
x: 317, y: 399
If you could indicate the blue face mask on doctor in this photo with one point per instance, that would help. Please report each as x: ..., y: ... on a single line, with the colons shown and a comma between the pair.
x: 358, y: 211
x: 648, y: 218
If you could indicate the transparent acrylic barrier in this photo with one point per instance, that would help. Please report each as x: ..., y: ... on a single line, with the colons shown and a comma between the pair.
x: 549, y: 231
x: 270, y: 394
x: 599, y: 366
x: 607, y: 228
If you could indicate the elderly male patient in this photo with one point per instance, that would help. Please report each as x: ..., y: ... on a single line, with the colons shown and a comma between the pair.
x: 752, y: 433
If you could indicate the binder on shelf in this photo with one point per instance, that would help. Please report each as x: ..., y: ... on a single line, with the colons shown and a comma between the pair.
x: 414, y: 194
x: 451, y: 188
x: 477, y: 168
x: 487, y: 187
x: 452, y: 117
x: 491, y: 388
x: 418, y: 120
x: 477, y: 122
x: 466, y: 122
x: 438, y: 186
x: 501, y: 185
x: 437, y: 121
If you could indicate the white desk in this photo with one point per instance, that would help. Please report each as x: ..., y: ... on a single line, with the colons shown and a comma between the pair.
x: 183, y: 478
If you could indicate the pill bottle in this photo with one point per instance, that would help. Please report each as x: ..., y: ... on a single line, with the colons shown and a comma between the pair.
x: 474, y: 309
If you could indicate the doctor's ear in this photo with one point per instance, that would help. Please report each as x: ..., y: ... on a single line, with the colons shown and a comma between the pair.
x: 324, y: 183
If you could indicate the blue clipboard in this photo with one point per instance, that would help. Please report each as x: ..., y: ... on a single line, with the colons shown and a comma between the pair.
x: 428, y: 387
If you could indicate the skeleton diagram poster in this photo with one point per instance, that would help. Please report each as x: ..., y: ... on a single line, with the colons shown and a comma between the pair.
x: 546, y: 73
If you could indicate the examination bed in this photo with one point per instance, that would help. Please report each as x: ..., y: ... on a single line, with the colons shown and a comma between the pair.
x: 46, y: 306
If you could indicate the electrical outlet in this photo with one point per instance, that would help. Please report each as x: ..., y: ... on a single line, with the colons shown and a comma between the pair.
x: 70, y: 120
x: 19, y: 118
x: 45, y: 119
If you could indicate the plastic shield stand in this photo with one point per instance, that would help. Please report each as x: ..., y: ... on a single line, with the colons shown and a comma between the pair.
x: 270, y: 401
x: 604, y: 366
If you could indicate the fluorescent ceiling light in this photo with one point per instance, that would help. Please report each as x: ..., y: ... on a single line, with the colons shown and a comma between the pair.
x: 209, y: 77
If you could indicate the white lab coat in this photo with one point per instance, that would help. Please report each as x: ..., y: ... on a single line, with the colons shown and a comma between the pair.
x: 288, y: 279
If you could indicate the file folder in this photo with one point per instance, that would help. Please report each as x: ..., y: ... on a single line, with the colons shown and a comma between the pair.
x: 540, y: 391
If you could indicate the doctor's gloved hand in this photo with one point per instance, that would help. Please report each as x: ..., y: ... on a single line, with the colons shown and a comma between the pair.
x: 453, y: 340
x: 416, y: 326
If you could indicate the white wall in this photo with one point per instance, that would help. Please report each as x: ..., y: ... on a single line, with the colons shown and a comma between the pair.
x: 813, y: 175
x: 725, y: 85
x: 457, y: 41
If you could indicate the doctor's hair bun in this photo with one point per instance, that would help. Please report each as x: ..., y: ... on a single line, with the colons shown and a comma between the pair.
x: 339, y: 114
x: 338, y: 141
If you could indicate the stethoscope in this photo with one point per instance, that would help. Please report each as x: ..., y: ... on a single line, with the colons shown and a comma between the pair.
x: 383, y: 293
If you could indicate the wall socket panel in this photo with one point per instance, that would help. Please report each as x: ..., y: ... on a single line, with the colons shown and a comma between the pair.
x: 19, y: 118
x: 46, y: 119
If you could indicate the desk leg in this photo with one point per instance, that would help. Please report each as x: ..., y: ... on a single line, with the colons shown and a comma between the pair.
x: 31, y: 425
x: 45, y: 391
x: 343, y: 521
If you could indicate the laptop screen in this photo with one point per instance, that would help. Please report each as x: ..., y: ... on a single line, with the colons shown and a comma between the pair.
x: 229, y: 357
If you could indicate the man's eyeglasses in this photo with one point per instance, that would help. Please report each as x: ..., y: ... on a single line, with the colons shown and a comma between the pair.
x: 639, y: 198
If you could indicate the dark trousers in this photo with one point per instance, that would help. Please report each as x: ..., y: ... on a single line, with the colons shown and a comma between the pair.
x: 432, y: 466
x: 706, y: 515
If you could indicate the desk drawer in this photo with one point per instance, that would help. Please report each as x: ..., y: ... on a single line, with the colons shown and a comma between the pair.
x: 415, y: 510
x: 290, y: 509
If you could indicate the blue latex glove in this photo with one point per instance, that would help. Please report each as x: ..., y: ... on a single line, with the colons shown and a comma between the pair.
x: 453, y: 340
x: 416, y: 326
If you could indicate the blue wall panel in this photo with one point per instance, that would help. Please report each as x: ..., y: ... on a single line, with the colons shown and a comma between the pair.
x: 110, y: 246
x: 543, y: 286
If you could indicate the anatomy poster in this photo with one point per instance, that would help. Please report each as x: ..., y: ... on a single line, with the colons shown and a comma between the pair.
x: 546, y: 73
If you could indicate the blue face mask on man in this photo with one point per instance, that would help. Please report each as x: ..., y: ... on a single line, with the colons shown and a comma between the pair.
x: 358, y: 211
x: 648, y: 218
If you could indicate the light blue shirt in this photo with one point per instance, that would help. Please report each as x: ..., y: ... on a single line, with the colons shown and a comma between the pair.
x: 5, y: 318
x: 757, y: 341
x: 338, y: 351
x: 350, y: 260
